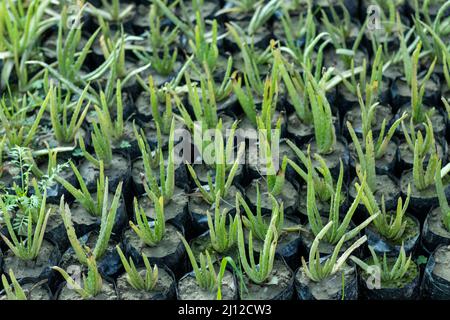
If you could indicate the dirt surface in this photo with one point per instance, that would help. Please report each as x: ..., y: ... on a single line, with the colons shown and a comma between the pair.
x: 167, y: 246
x: 127, y: 292
x: 188, y: 289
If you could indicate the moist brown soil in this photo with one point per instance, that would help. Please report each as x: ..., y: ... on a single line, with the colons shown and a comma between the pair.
x: 354, y: 117
x: 188, y: 289
x: 119, y: 168
x: 127, y: 292
x: 384, y: 162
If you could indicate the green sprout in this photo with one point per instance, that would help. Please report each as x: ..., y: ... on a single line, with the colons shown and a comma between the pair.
x: 92, y: 283
x: 205, y: 273
x: 13, y: 291
x: 66, y: 129
x: 259, y: 273
x: 112, y: 11
x: 222, y: 240
x: 106, y: 226
x: 391, y: 225
x: 256, y: 223
x: 318, y: 270
x: 222, y: 183
x: 29, y: 247
x: 166, y: 184
x: 423, y: 148
x: 151, y: 236
x: 390, y: 269
x: 339, y: 228
x: 143, y: 281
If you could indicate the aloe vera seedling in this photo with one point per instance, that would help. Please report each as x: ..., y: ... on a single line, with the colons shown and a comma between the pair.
x: 108, y: 216
x: 152, y: 160
x: 101, y: 142
x: 372, y: 151
x: 13, y: 121
x: 203, y: 103
x: 423, y: 148
x: 443, y: 203
x: 322, y: 117
x: 22, y: 24
x: 411, y: 66
x: 222, y: 240
x: 205, y: 273
x: 70, y: 61
x: 111, y: 11
x: 13, y: 291
x: 150, y: 235
x: 324, y: 184
x: 261, y: 271
x: 65, y: 128
x: 145, y: 281
x: 339, y: 228
x: 263, y: 12
x: 205, y: 52
x: 29, y: 247
x: 318, y: 270
x: 390, y: 270
x: 93, y: 205
x: 92, y: 283
x: 256, y: 223
x: 222, y: 182
x: 391, y: 225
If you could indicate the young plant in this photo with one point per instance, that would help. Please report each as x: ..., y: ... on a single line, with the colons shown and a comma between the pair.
x: 411, y: 66
x: 222, y: 182
x: 338, y: 228
x: 15, y: 121
x: 205, y: 273
x: 111, y: 11
x: 150, y: 235
x: 424, y: 150
x: 257, y: 224
x: 93, y: 206
x: 318, y: 270
x: 101, y: 142
x: 264, y: 11
x: 166, y: 184
x: 324, y: 185
x: 142, y: 281
x: 322, y: 117
x: 222, y: 240
x: 443, y: 203
x: 391, y: 225
x: 28, y: 248
x: 66, y: 129
x: 70, y: 61
x: 13, y: 291
x: 22, y: 24
x: 106, y: 226
x: 390, y: 270
x: 259, y: 273
x: 205, y: 52
x: 204, y: 105
x: 92, y: 283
